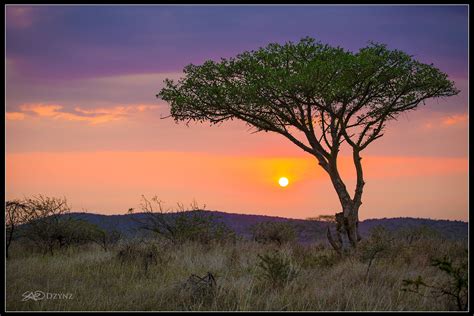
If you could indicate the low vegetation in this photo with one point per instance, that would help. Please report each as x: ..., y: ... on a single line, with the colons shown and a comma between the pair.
x: 274, y: 232
x: 203, y: 268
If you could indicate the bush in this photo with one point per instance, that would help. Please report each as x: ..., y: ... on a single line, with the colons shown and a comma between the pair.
x: 379, y: 244
x: 145, y: 254
x: 325, y: 259
x: 413, y: 234
x: 199, y: 290
x: 49, y: 225
x: 273, y: 232
x: 105, y: 238
x: 315, y: 256
x: 456, y: 289
x: 276, y: 268
x: 183, y: 225
x: 200, y: 227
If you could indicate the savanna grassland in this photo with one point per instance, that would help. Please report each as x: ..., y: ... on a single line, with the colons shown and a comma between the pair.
x: 154, y: 274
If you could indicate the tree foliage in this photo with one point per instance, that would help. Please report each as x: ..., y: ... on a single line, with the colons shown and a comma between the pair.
x: 308, y: 85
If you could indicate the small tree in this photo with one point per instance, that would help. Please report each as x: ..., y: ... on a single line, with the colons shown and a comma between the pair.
x: 315, y: 95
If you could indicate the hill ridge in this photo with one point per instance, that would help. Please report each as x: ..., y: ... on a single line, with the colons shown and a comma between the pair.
x: 307, y: 229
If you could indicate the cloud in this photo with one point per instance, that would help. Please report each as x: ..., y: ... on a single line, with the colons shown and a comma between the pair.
x: 91, y: 116
x: 15, y: 116
x: 455, y: 119
x: 118, y: 110
x: 446, y: 121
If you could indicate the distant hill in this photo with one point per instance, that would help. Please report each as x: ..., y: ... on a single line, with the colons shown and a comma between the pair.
x: 308, y: 230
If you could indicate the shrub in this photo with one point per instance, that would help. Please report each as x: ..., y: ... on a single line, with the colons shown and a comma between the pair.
x: 276, y: 268
x: 377, y: 245
x: 199, y: 290
x: 105, y: 238
x: 276, y: 232
x: 184, y: 225
x: 325, y: 259
x: 456, y: 289
x: 145, y: 254
x: 413, y: 234
x: 314, y: 256
x: 49, y: 226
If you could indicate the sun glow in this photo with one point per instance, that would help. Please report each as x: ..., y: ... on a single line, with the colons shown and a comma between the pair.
x: 283, y: 181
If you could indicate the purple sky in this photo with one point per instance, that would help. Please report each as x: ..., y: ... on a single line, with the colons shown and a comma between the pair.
x: 79, y: 41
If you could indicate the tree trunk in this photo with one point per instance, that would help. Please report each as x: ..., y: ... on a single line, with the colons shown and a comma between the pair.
x: 352, y: 226
x: 347, y: 221
x: 348, y: 225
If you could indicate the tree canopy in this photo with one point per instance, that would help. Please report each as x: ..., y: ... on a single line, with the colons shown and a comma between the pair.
x: 326, y: 94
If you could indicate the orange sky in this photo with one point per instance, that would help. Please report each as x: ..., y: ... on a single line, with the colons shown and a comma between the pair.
x: 102, y: 158
x: 111, y: 182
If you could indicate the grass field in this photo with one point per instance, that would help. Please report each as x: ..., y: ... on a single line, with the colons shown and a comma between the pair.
x: 154, y: 276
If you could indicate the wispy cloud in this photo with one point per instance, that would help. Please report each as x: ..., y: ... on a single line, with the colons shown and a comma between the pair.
x: 91, y: 116
x: 447, y: 121
x: 455, y: 119
x: 15, y: 116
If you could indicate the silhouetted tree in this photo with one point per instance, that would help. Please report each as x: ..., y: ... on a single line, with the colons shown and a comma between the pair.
x: 317, y: 96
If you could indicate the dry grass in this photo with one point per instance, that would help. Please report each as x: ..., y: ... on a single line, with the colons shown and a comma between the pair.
x: 102, y: 281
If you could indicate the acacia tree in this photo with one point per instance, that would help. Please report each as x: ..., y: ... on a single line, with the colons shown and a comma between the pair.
x: 317, y: 96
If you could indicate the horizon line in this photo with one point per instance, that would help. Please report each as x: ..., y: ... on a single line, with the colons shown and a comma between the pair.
x: 274, y: 216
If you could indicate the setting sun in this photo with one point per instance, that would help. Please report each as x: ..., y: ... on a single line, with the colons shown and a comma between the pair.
x: 283, y: 182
